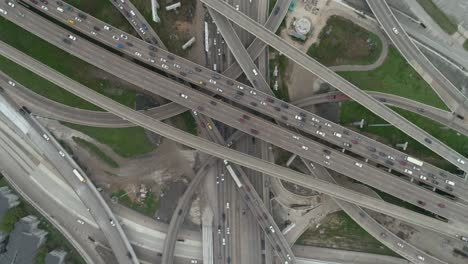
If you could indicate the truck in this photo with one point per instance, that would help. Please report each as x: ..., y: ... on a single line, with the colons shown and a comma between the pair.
x: 79, y: 176
x: 414, y: 161
x: 289, y: 228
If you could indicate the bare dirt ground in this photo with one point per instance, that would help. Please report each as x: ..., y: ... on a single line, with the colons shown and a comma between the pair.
x: 197, y: 51
x: 167, y: 162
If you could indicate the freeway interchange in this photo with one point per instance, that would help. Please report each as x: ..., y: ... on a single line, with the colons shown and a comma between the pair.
x: 315, y: 139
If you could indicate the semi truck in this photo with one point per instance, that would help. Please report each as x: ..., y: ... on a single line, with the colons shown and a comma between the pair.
x: 79, y: 176
x: 414, y: 161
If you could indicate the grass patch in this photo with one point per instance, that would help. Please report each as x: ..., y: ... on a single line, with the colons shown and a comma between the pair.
x: 186, y: 122
x: 86, y: 74
x: 271, y: 4
x: 55, y: 240
x: 465, y: 45
x: 351, y: 111
x: 338, y: 230
x: 396, y: 76
x: 439, y: 16
x: 97, y: 151
x: 175, y: 27
x: 393, y: 200
x: 342, y: 42
x: 148, y: 207
x: 282, y: 62
x: 127, y: 142
x: 3, y: 181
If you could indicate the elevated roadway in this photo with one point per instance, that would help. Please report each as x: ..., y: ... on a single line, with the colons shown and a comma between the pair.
x: 261, y: 102
x: 142, y: 79
x: 138, y: 22
x: 241, y: 159
x: 452, y: 97
x: 338, y: 82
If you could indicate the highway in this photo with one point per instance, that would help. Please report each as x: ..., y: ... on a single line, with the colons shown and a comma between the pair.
x: 284, y: 111
x: 138, y: 22
x: 443, y: 117
x: 393, y: 186
x: 452, y: 97
x: 452, y: 229
x: 338, y: 82
x: 86, y: 191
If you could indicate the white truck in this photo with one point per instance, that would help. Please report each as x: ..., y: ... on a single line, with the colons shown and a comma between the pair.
x: 414, y: 161
x: 79, y: 176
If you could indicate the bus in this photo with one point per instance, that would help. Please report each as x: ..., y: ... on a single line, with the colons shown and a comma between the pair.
x: 414, y: 161
x: 79, y: 176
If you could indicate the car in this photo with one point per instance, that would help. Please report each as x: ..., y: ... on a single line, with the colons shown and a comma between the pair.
x: 72, y: 37
x: 183, y: 95
x: 262, y: 103
x: 164, y: 66
x: 285, y: 118
x: 170, y: 57
x: 277, y: 108
x: 298, y: 117
x: 347, y: 145
x: 254, y: 131
x: 78, y: 19
x: 123, y: 36
x: 240, y: 87
x: 224, y: 241
x: 254, y: 104
x: 327, y: 124
x: 82, y: 16
x: 253, y: 92
x: 241, y: 120
x: 461, y: 161
x: 115, y: 37
x: 210, y: 127
x: 441, y: 205
x: 371, y: 149
x: 270, y: 100
x: 80, y: 221
x: 421, y: 203
x: 46, y: 137
x: 382, y: 154
x: 12, y: 83
x: 237, y: 7
x: 138, y: 53
x: 422, y: 177
x: 383, y: 235
x: 213, y: 103
x: 354, y: 141
x: 400, y: 244
x: 61, y: 153
x: 318, y: 132
x: 305, y: 148
x: 390, y: 157
x: 315, y: 120
x: 326, y: 162
x: 176, y: 65
x: 59, y: 9
x: 106, y: 27
x: 44, y: 7
x: 358, y: 164
x: 285, y: 105
x: 255, y: 72
x: 450, y: 182
x: 448, y: 188
x: 420, y: 257
x: 395, y: 31
x: 336, y: 134
x: 327, y: 157
x: 111, y: 222
x: 295, y: 137
x: 93, y: 33
x: 212, y: 81
x: 409, y: 172
x: 272, y: 229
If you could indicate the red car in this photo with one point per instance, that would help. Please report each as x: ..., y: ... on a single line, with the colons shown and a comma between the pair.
x: 241, y: 120
x: 254, y: 131
x: 441, y: 205
x: 422, y: 203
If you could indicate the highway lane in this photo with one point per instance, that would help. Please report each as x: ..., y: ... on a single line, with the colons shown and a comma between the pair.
x: 86, y: 191
x: 241, y: 159
x: 145, y: 81
x: 338, y: 82
x: 452, y: 97
x: 274, y: 108
x: 443, y: 117
x: 284, y: 111
x: 138, y: 22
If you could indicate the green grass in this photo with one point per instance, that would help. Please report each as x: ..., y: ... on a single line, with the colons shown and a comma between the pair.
x: 64, y: 63
x: 396, y: 76
x: 11, y: 217
x: 392, y: 199
x: 342, y: 42
x: 271, y: 4
x: 439, y: 16
x: 465, y: 45
x: 186, y: 122
x: 127, y: 142
x: 351, y: 111
x: 97, y: 151
x: 282, y: 62
x: 149, y: 206
x: 168, y: 29
x: 3, y: 181
x: 338, y: 230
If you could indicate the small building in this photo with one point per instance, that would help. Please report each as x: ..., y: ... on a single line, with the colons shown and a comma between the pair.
x: 56, y: 257
x: 25, y: 239
x: 8, y: 200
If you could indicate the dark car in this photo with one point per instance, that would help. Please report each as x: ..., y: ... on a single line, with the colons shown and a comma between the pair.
x: 326, y: 151
x: 303, y: 115
x: 277, y: 108
x: 246, y: 117
x: 96, y: 28
x: 152, y: 48
x: 269, y: 99
x: 428, y: 141
x: 253, y: 104
x: 129, y: 44
x: 170, y: 57
x: 346, y: 132
x: 67, y: 41
x: 229, y: 82
x: 441, y: 205
x: 213, y: 103
x: 240, y: 93
x: 371, y: 149
x: 216, y: 76
x: 389, y: 162
x: 284, y: 117
x: 443, y: 174
x: 285, y: 105
x: 59, y: 3
x: 382, y: 154
x: 152, y: 54
x: 183, y: 74
x: 421, y: 203
x: 241, y: 120
x: 254, y: 131
x: 276, y: 11
x: 198, y: 69
x: 82, y: 16
x: 201, y: 108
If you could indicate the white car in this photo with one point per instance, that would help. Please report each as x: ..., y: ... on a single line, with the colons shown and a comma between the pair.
x: 123, y: 36
x: 461, y: 161
x: 212, y: 81
x: 177, y: 65
x: 450, y: 182
x: 390, y: 157
x: 327, y: 157
x: 262, y: 103
x: 421, y: 258
x: 227, y: 205
x: 44, y: 7
x: 132, y: 12
x: 46, y: 137
x: 305, y: 148
x: 93, y: 33
x: 400, y: 244
x: 183, y: 96
x: 165, y: 66
x: 163, y: 59
x: 358, y: 164
x: 320, y: 133
x: 327, y: 124
x: 395, y: 30
x: 295, y: 137
x: 336, y: 134
x: 298, y: 117
x: 115, y: 37
x: 409, y: 172
x: 12, y: 83
x: 61, y: 153
x: 219, y: 90
x: 80, y: 221
x: 326, y: 162
x: 60, y: 9
x: 195, y: 113
x: 253, y: 92
x: 272, y: 229
x: 138, y: 53
x: 315, y: 119
x: 237, y: 7
x: 228, y: 231
x: 78, y: 19
x: 240, y: 87
x: 3, y: 11
x: 71, y: 37
x: 111, y: 222
x: 11, y: 4
x: 422, y: 177
x: 106, y: 27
